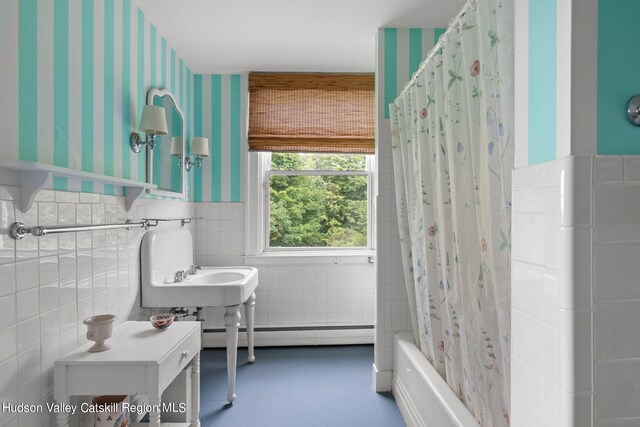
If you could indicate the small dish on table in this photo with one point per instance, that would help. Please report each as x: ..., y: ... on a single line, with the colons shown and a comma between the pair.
x: 162, y: 321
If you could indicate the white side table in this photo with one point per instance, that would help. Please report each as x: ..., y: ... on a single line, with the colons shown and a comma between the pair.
x: 142, y: 360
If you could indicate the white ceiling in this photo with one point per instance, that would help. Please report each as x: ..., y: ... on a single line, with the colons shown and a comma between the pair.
x: 215, y: 36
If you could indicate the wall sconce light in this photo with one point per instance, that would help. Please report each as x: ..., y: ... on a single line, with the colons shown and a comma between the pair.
x: 199, y: 149
x: 153, y: 122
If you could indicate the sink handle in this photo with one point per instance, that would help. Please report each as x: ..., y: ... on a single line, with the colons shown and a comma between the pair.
x: 179, y: 276
x: 193, y: 269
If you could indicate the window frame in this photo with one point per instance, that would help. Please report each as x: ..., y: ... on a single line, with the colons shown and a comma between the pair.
x: 258, y: 204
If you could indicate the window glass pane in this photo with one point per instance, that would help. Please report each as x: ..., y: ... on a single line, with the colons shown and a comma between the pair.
x: 314, y: 161
x: 318, y: 211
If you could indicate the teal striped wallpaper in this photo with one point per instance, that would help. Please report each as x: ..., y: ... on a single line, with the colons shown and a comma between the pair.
x: 618, y: 65
x: 75, y: 74
x: 399, y: 53
x: 543, y: 80
x: 220, y: 114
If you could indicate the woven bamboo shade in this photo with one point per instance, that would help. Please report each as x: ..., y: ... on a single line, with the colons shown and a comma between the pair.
x: 330, y: 113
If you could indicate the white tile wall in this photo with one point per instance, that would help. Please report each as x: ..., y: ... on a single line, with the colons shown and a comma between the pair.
x: 392, y: 307
x: 48, y: 285
x: 300, y: 294
x: 536, y: 293
x: 613, y: 338
x: 219, y: 234
x: 595, y: 309
x: 326, y: 294
x: 616, y: 292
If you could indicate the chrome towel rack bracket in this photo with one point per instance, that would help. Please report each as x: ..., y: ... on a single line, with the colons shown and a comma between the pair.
x: 183, y: 221
x: 19, y: 230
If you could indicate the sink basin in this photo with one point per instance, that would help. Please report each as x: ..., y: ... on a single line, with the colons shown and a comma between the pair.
x: 210, y: 287
x: 220, y: 286
x: 208, y: 277
x: 166, y: 251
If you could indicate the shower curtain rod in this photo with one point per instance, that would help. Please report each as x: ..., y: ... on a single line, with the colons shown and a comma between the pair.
x: 434, y: 51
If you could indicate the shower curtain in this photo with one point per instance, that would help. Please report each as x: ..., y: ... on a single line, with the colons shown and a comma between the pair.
x: 452, y: 145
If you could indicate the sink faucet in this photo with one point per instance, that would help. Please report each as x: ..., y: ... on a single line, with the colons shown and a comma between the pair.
x: 179, y: 276
x: 193, y: 270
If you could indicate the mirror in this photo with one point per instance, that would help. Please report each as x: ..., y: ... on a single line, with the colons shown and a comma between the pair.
x: 163, y: 169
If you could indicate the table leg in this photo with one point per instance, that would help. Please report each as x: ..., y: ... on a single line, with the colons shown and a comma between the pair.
x: 154, y: 416
x: 195, y: 391
x: 135, y: 417
x: 249, y: 306
x: 62, y: 417
x: 232, y: 323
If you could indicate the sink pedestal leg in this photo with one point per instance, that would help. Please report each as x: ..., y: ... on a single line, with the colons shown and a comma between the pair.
x: 232, y: 323
x: 249, y: 306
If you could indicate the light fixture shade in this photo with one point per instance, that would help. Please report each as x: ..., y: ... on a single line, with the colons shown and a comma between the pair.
x: 200, y: 146
x: 153, y: 120
x: 176, y: 146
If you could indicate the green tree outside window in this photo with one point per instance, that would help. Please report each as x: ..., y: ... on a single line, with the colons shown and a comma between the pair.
x: 318, y: 210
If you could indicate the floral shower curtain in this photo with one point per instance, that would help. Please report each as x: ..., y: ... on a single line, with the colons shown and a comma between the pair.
x: 452, y: 144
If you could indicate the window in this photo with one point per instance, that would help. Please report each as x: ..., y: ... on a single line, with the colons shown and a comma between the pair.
x: 317, y: 201
x: 311, y: 140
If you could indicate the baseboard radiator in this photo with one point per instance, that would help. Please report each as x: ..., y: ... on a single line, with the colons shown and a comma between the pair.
x: 294, y: 335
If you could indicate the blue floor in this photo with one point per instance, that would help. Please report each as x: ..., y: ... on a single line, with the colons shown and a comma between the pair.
x: 296, y: 386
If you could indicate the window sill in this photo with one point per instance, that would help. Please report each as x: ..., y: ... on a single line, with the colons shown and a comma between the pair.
x: 310, y: 257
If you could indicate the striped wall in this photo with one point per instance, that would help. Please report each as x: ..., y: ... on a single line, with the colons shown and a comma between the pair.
x: 542, y: 78
x: 537, y: 75
x: 75, y: 74
x: 573, y: 74
x: 400, y: 52
x: 618, y: 65
x: 220, y: 114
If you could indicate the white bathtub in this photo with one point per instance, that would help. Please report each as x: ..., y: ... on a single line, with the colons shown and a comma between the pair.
x: 423, y: 397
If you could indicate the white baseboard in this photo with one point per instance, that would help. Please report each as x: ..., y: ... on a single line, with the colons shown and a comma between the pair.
x: 295, y: 337
x: 382, y: 380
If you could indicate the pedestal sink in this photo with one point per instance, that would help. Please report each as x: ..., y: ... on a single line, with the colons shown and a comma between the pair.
x: 167, y: 252
x: 209, y: 287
